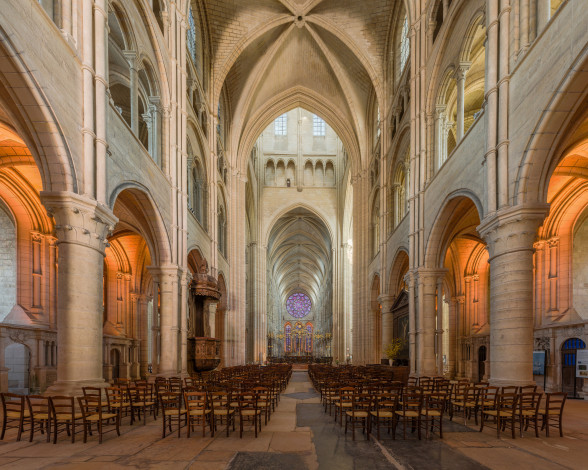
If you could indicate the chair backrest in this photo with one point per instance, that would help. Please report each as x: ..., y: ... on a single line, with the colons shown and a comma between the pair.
x: 489, y: 394
x: 171, y: 402
x: 529, y: 401
x: 509, y: 389
x: 412, y: 399
x: 90, y: 406
x: 62, y: 406
x: 507, y: 402
x: 175, y: 384
x: 528, y: 388
x: 92, y: 392
x: 196, y: 400
x: 555, y: 402
x: 11, y: 402
x: 38, y: 404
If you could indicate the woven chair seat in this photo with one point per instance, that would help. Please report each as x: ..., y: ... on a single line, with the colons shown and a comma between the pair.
x: 431, y: 413
x: 41, y: 415
x: 496, y: 412
x: 67, y: 416
x: 382, y: 414
x: 410, y: 414
x: 104, y: 416
x: 357, y: 414
x: 199, y: 412
x: 16, y: 414
x: 250, y: 412
x: 223, y: 411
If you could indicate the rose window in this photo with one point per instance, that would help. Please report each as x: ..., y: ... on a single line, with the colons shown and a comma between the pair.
x: 298, y: 305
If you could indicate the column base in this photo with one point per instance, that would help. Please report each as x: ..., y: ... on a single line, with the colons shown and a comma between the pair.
x: 506, y: 383
x: 73, y: 388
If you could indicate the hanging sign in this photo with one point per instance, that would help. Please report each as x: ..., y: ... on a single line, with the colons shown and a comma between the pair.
x: 582, y: 363
x: 539, y: 362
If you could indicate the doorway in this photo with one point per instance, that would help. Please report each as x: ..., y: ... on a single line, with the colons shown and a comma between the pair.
x: 17, y: 358
x: 481, y: 363
x: 569, y: 383
x: 115, y: 363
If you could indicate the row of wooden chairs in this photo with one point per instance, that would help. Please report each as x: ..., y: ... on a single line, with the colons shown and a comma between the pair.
x: 54, y: 415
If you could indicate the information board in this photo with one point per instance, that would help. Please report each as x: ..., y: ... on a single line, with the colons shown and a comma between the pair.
x: 539, y: 362
x: 582, y: 363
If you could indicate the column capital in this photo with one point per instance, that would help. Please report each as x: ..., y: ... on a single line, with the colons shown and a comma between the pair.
x: 79, y: 220
x: 162, y: 273
x: 427, y: 275
x: 386, y: 301
x: 462, y: 70
x: 513, y: 228
x: 133, y: 59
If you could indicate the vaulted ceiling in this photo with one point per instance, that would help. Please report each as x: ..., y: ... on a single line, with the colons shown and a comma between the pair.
x: 334, y: 49
x: 299, y: 254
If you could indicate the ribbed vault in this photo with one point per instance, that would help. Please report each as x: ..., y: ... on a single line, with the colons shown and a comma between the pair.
x: 299, y: 254
x: 333, y: 49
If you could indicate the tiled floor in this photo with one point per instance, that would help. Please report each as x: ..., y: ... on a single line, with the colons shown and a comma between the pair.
x: 301, y: 436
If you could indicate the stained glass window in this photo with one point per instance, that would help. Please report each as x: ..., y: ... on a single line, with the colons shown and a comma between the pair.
x: 404, y: 45
x: 191, y: 36
x: 288, y: 333
x: 298, y: 305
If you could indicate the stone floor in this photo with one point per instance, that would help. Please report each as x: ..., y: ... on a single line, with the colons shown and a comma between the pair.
x: 301, y: 436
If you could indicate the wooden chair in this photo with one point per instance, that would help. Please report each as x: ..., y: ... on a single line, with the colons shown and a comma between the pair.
x: 358, y: 413
x: 221, y: 408
x: 409, y: 412
x: 96, y: 393
x: 264, y: 401
x: 343, y: 402
x: 383, y: 412
x: 143, y: 401
x: 461, y: 394
x: 198, y: 411
x: 505, y: 413
x: 432, y: 413
x: 552, y: 414
x: 13, y: 411
x: 529, y: 403
x: 248, y: 411
x: 92, y: 414
x: 171, y: 411
x: 64, y: 415
x: 40, y: 415
x: 119, y: 402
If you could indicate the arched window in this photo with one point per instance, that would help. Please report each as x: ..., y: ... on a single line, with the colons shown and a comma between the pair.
x: 288, y: 337
x: 400, y: 191
x: 404, y: 45
x: 319, y: 127
x: 8, y: 267
x: 222, y: 229
x: 281, y: 125
x: 198, y: 192
x: 375, y: 224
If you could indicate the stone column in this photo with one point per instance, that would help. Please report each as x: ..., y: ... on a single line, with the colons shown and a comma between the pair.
x: 386, y: 302
x: 460, y: 76
x: 426, y: 360
x: 81, y: 226
x: 439, y: 330
x: 168, y: 279
x: 131, y: 57
x: 510, y: 235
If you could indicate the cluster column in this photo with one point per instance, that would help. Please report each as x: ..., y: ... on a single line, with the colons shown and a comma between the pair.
x: 81, y: 226
x: 510, y: 234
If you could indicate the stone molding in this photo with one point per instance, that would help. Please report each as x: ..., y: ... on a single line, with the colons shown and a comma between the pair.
x: 79, y: 220
x: 512, y: 229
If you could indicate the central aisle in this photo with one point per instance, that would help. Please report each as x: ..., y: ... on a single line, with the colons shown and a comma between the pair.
x: 307, y: 438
